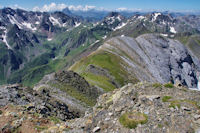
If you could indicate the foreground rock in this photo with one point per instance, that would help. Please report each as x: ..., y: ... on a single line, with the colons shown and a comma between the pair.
x: 143, y: 107
x: 153, y: 108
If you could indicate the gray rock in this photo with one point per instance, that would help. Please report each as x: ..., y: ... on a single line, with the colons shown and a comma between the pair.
x: 96, y: 129
x: 155, y: 58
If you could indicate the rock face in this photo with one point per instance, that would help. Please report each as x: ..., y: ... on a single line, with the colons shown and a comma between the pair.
x: 156, y: 59
x: 143, y: 107
x: 166, y: 110
x: 41, y: 102
x: 65, y: 95
x: 58, y: 97
x: 76, y: 81
x: 70, y: 88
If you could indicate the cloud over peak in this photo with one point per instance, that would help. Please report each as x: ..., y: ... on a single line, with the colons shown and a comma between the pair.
x: 59, y: 7
x: 50, y: 7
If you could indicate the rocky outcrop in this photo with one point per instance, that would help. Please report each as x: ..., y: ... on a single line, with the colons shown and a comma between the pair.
x: 76, y: 81
x: 156, y: 59
x: 41, y: 102
x: 143, y: 107
x: 58, y: 97
x: 164, y: 108
x: 71, y: 89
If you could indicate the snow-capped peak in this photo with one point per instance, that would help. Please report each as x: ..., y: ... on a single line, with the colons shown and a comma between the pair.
x: 172, y: 30
x: 155, y: 15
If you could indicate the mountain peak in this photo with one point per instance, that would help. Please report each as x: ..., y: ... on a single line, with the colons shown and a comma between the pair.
x: 113, y: 14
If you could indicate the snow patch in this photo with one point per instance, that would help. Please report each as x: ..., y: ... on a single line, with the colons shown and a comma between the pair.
x: 14, y: 21
x: 5, y: 41
x: 194, y: 89
x: 29, y: 26
x: 95, y: 24
x: 2, y: 28
x: 172, y: 30
x: 95, y: 42
x: 166, y: 35
x: 49, y: 39
x: 163, y: 22
x: 141, y: 17
x: 104, y: 37
x: 155, y: 16
x: 111, y: 20
x: 120, y: 26
x: 77, y: 24
x: 118, y: 17
x: 37, y: 22
x: 20, y: 25
x: 54, y: 21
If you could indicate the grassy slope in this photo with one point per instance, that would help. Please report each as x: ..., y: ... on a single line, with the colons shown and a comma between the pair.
x: 107, y: 61
x: 192, y: 42
x: 74, y: 93
x: 34, y: 71
x: 3, y: 52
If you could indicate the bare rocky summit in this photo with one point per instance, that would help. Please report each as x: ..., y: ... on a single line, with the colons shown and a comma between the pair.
x: 167, y: 109
x: 143, y: 107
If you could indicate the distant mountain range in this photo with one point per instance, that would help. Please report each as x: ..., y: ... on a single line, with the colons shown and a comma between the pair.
x: 34, y: 43
x: 97, y: 15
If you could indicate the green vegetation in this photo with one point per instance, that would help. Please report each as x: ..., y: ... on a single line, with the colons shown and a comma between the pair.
x: 166, y: 98
x: 174, y: 104
x: 166, y: 123
x: 106, y: 61
x: 52, y: 57
x: 36, y: 114
x: 169, y: 85
x: 192, y: 42
x: 132, y: 119
x: 41, y: 128
x: 101, y: 81
x: 99, y: 107
x: 74, y: 93
x: 194, y: 103
x: 157, y: 85
x: 177, y: 103
x: 1, y: 112
x: 55, y: 119
x: 160, y: 125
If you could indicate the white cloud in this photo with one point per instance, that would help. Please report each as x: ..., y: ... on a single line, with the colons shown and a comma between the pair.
x: 127, y: 9
x: 80, y: 7
x: 17, y: 7
x: 59, y: 7
x: 122, y: 9
x: 50, y: 7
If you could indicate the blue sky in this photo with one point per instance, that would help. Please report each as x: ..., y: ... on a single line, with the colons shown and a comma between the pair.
x: 180, y: 5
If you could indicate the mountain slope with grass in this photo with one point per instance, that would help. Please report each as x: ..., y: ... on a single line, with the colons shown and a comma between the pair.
x: 149, y: 57
x: 42, y: 44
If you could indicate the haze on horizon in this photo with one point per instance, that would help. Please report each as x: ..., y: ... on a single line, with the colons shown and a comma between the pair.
x: 142, y: 5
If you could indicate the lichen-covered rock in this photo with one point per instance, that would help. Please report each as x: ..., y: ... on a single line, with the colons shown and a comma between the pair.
x: 143, y: 105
